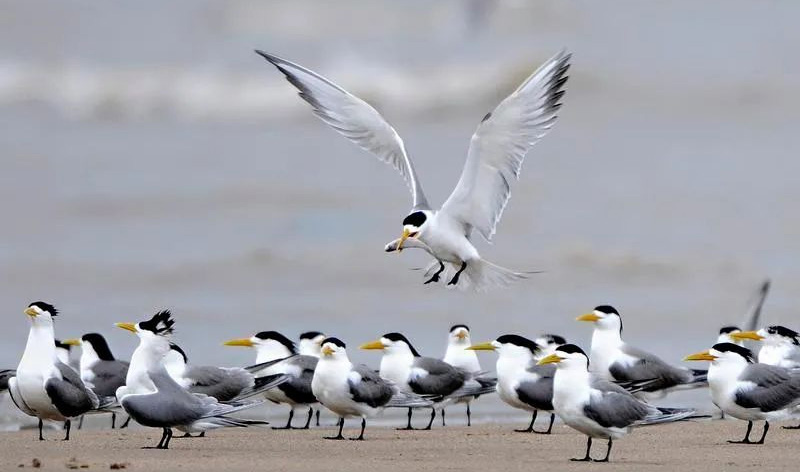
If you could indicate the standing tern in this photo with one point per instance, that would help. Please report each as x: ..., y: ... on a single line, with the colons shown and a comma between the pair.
x: 310, y: 343
x: 296, y: 392
x: 154, y: 399
x: 781, y: 345
x: 44, y: 386
x: 355, y: 391
x: 615, y: 360
x: 595, y: 406
x: 223, y: 383
x: 749, y: 391
x: 458, y: 355
x: 403, y: 365
x: 494, y: 160
x: 522, y: 383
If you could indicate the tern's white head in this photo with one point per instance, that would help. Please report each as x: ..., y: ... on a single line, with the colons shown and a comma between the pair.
x: 569, y: 357
x: 153, y: 336
x: 511, y: 346
x: 269, y: 345
x: 605, y: 318
x: 725, y: 355
x: 725, y: 335
x: 393, y: 345
x: 333, y: 350
x: 41, y: 314
x: 414, y: 225
x: 459, y: 336
x: 94, y: 348
x: 457, y: 354
x: 310, y: 343
x: 548, y: 344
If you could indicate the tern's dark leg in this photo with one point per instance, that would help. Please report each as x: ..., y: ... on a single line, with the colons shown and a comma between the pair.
x: 41, y: 424
x: 126, y: 423
x: 552, y: 420
x: 80, y: 423
x: 435, y: 277
x: 430, y: 423
x: 288, y: 423
x: 443, y: 423
x: 530, y: 426
x: 764, y: 434
x: 791, y: 427
x: 339, y: 436
x: 408, y: 427
x: 469, y: 416
x: 587, y: 457
x: 454, y: 280
x: 113, y: 419
x: 746, y: 439
x: 318, y: 410
x: 363, y: 426
x: 67, y: 426
x: 608, y: 452
x: 167, y: 437
x: 308, y: 421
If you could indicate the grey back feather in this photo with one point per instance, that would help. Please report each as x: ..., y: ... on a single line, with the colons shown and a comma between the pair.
x: 776, y: 388
x: 611, y: 406
x: 69, y: 394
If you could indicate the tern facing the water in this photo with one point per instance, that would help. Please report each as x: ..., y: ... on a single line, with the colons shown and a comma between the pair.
x: 750, y: 391
x: 355, y: 390
x: 522, y: 383
x: 596, y: 407
x: 44, y: 386
x: 494, y: 160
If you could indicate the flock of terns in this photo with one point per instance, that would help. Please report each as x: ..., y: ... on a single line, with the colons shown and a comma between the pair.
x: 602, y: 394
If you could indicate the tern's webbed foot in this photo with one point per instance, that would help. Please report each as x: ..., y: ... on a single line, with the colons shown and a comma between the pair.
x: 743, y: 441
x: 335, y: 438
x: 791, y: 427
x: 526, y: 430
x: 540, y: 432
x: 433, y: 279
x: 357, y: 439
x: 583, y: 459
x: 600, y: 460
x: 281, y: 427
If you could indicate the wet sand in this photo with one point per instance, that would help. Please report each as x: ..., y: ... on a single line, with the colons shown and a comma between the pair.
x: 685, y: 446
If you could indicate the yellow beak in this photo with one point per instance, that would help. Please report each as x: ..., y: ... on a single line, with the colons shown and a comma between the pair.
x: 588, y: 317
x: 72, y: 342
x: 30, y: 311
x: 373, y: 345
x: 327, y: 351
x: 744, y: 335
x: 403, y: 238
x: 551, y: 359
x: 129, y: 326
x: 246, y: 342
x: 461, y: 335
x: 700, y: 356
x: 482, y: 347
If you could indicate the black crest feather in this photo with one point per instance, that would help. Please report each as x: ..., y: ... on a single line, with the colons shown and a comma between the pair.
x: 44, y: 306
x: 161, y: 323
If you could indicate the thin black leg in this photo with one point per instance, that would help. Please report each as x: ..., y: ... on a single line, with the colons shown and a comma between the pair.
x: 608, y: 452
x: 552, y: 420
x: 469, y: 416
x: 113, y: 420
x: 454, y: 280
x: 430, y: 423
x: 288, y: 423
x: 126, y: 423
x: 746, y: 439
x: 764, y: 434
x: 308, y: 421
x: 160, y: 444
x: 41, y: 424
x: 530, y: 426
x: 67, y: 426
x: 80, y: 423
x: 443, y: 423
x: 587, y: 457
x: 408, y: 427
x: 168, y: 436
x: 363, y: 427
x: 318, y: 410
x: 435, y: 277
x: 339, y: 436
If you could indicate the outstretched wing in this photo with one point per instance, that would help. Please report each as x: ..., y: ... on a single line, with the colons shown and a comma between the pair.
x: 500, y: 144
x: 354, y: 119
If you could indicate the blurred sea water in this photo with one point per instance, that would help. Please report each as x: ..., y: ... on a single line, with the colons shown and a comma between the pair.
x: 150, y: 160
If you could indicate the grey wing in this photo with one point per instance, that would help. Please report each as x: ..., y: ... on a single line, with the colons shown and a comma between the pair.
x: 301, y: 371
x: 775, y: 388
x: 500, y: 144
x: 538, y: 393
x: 753, y: 317
x: 109, y: 376
x: 354, y: 119
x: 222, y: 384
x: 370, y: 388
x: 431, y: 376
x: 649, y: 367
x: 69, y: 394
x: 611, y: 406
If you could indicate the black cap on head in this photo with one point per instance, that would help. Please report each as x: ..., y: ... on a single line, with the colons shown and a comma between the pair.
x: 570, y: 349
x: 415, y: 219
x: 728, y: 329
x: 607, y: 309
x: 554, y: 339
x: 310, y: 334
x: 397, y: 337
x: 785, y: 332
x: 161, y: 323
x: 276, y: 336
x: 519, y: 341
x: 455, y: 327
x: 730, y: 347
x: 335, y: 342
x: 44, y: 306
x: 180, y: 351
x: 99, y: 345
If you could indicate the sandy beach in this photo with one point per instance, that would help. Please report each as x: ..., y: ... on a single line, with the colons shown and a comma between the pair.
x: 684, y: 446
